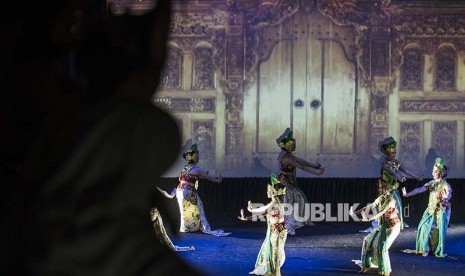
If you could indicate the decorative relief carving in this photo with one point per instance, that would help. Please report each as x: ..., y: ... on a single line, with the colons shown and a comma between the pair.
x: 234, y: 57
x: 381, y: 86
x: 411, y: 77
x: 172, y: 71
x: 203, y: 133
x: 219, y: 49
x: 379, y: 119
x: 186, y: 104
x: 379, y: 102
x: 267, y: 15
x: 431, y: 25
x: 251, y: 54
x: 271, y: 36
x: 410, y: 143
x: 188, y: 44
x: 430, y: 45
x: 432, y: 106
x: 445, y: 69
x: 380, y: 62
x: 194, y: 23
x: 204, y: 72
x: 234, y: 138
x: 234, y: 102
x: 444, y: 141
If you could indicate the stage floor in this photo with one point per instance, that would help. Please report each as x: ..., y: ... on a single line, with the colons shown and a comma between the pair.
x: 324, y: 249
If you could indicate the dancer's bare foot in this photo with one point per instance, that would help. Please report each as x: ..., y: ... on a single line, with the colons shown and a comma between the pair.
x: 364, y: 270
x: 425, y: 254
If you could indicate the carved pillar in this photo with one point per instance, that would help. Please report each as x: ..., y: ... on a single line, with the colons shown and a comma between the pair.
x: 228, y: 58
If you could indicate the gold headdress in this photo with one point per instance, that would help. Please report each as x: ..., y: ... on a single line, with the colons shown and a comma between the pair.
x: 275, y: 190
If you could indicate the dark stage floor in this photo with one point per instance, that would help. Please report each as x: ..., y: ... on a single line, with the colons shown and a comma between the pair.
x: 324, y: 249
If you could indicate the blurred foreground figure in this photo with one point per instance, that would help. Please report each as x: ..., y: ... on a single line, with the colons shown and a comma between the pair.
x: 88, y: 141
x: 160, y: 231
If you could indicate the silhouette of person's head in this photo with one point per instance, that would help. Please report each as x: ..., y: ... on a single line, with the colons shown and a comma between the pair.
x: 92, y: 144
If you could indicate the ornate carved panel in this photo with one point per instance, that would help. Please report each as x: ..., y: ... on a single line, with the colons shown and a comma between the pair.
x: 186, y: 104
x: 430, y: 45
x: 233, y: 138
x: 268, y: 15
x: 219, y: 52
x: 432, y: 106
x: 410, y: 143
x: 197, y: 23
x: 172, y: 71
x: 234, y: 57
x: 431, y: 25
x: 204, y: 72
x: 445, y: 69
x: 444, y: 140
x: 203, y: 133
x: 411, y: 76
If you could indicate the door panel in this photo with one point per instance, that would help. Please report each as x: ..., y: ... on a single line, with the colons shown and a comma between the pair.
x: 310, y: 68
x: 338, y: 102
x: 274, y: 97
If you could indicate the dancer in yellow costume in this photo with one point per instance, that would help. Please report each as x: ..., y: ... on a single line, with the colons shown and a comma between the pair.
x: 190, y: 205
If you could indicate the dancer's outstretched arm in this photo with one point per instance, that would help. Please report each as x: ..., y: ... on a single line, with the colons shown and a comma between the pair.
x: 391, y: 204
x: 163, y: 192
x: 202, y: 174
x: 415, y: 191
x: 409, y: 172
x: 259, y: 209
x: 304, y: 165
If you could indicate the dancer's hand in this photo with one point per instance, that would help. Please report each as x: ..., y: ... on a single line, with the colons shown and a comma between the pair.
x: 364, y: 216
x: 249, y: 206
x: 319, y: 171
x: 219, y: 178
x: 242, y: 217
x: 404, y: 192
x: 351, y: 211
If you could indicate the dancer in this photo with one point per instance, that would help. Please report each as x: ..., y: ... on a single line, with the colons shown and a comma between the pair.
x: 161, y: 232
x: 271, y: 257
x: 288, y: 163
x: 375, y: 248
x: 190, y: 205
x: 392, y: 172
x: 432, y: 229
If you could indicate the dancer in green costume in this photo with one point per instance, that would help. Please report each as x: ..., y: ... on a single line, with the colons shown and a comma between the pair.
x: 271, y: 256
x: 375, y: 249
x: 392, y: 172
x: 432, y: 229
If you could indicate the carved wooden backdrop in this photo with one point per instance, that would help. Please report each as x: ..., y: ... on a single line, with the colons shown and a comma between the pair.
x: 343, y: 74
